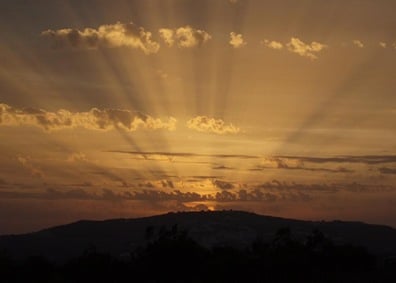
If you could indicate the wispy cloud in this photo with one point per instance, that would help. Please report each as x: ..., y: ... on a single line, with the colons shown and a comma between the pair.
x: 105, y: 36
x: 184, y: 37
x: 146, y: 154
x: 77, y: 157
x: 26, y: 162
x: 365, y: 159
x: 222, y: 167
x: 95, y: 119
x: 211, y: 125
x: 236, y: 40
x: 386, y: 170
x: 297, y: 164
x: 331, y: 164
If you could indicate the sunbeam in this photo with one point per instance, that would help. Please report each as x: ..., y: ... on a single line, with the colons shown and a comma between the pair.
x: 147, y: 106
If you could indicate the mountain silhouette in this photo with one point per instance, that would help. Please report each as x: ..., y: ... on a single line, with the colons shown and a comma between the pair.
x: 237, y: 229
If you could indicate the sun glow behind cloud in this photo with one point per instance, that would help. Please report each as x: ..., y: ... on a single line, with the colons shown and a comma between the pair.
x: 170, y: 108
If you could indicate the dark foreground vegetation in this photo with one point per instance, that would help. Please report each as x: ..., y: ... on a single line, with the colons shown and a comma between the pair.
x: 170, y: 255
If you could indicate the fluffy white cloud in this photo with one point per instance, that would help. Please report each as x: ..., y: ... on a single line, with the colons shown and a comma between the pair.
x: 113, y: 35
x: 272, y: 44
x: 94, y: 119
x: 358, y: 43
x: 304, y: 49
x: 236, y: 40
x: 168, y: 36
x: 184, y: 37
x: 211, y: 125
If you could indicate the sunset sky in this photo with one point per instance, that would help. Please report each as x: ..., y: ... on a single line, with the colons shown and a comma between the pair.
x: 121, y: 108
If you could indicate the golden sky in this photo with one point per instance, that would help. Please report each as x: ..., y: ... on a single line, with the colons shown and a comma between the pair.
x: 123, y: 108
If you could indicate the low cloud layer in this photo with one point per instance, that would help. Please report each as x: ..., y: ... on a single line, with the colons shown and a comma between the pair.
x: 105, y: 36
x: 95, y: 119
x: 211, y: 125
x: 159, y: 196
x: 184, y: 37
x: 223, y: 185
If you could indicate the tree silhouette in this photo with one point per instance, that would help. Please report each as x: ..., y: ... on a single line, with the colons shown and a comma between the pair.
x: 171, y: 255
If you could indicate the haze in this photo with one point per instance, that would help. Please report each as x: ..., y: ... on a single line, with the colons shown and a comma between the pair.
x: 118, y: 108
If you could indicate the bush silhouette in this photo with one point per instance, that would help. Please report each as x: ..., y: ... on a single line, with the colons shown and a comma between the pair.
x: 171, y: 255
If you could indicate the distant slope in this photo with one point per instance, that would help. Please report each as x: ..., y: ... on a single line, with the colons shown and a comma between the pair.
x: 234, y: 228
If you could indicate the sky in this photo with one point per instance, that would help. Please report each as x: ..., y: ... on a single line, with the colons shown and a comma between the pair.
x: 120, y: 109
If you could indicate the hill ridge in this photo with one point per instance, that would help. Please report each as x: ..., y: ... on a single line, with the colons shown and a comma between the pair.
x: 209, y: 228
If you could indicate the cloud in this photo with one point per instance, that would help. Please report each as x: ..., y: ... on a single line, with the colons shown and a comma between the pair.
x: 168, y: 36
x: 386, y: 170
x: 199, y: 207
x: 58, y: 194
x: 297, y: 164
x: 382, y: 44
x: 259, y: 195
x: 105, y: 36
x: 270, y: 191
x: 70, y: 194
x: 256, y: 195
x: 189, y: 155
x: 282, y: 186
x: 305, y: 50
x: 272, y: 44
x: 222, y: 167
x: 95, y: 119
x: 27, y: 163
x: 109, y: 195
x: 184, y: 37
x: 236, y: 40
x: 77, y: 157
x: 162, y: 74
x: 211, y: 125
x: 153, y: 195
x: 358, y: 43
x: 167, y: 183
x: 223, y: 185
x: 364, y: 159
